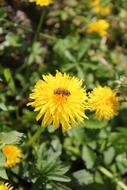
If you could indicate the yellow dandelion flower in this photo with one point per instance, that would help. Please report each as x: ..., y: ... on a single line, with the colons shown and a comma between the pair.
x: 104, y: 102
x: 103, y: 10
x: 94, y: 3
x: 99, y: 27
x: 42, y: 2
x: 5, y: 186
x: 60, y: 99
x: 13, y: 155
x: 99, y: 9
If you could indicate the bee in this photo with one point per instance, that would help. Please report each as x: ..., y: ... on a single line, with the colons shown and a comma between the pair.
x: 62, y: 91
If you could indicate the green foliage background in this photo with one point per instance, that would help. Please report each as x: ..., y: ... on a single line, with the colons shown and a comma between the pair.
x: 74, y: 160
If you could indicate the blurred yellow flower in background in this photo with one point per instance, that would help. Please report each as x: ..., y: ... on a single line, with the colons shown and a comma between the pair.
x: 104, y: 102
x: 13, y: 155
x: 42, y: 2
x: 100, y: 9
x: 60, y: 100
x: 103, y: 10
x: 100, y: 26
x: 5, y: 186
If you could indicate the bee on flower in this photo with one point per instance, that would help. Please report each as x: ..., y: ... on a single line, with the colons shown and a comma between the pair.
x: 5, y: 186
x: 100, y: 26
x: 60, y: 100
x: 100, y: 9
x: 104, y: 102
x: 13, y: 155
x: 42, y: 2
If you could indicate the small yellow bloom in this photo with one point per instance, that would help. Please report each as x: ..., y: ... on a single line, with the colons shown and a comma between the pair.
x: 99, y: 27
x: 98, y: 8
x: 103, y: 10
x: 104, y: 102
x: 60, y: 99
x: 42, y: 2
x: 13, y: 155
x: 95, y: 2
x: 5, y: 186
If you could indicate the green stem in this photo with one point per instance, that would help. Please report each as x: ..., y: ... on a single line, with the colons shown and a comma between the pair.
x: 37, y: 32
x: 39, y: 24
x: 29, y: 30
x: 105, y: 172
x: 122, y: 185
x: 110, y: 175
x: 33, y: 139
x: 73, y: 150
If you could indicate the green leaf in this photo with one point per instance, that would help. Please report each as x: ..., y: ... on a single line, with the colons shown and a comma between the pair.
x: 83, y: 47
x: 77, y: 135
x: 49, y: 165
x: 94, y: 124
x: 98, y: 178
x: 121, y: 162
x: 63, y: 48
x: 109, y: 155
x: 3, y: 13
x: 105, y: 2
x: 3, y: 173
x: 2, y: 159
x: 36, y: 53
x: 3, y: 107
x: 58, y: 177
x: 12, y: 137
x: 13, y: 40
x: 9, y: 79
x: 83, y: 177
x: 80, y: 72
x: 88, y: 156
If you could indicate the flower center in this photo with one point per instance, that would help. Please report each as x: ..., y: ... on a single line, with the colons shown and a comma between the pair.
x: 62, y: 91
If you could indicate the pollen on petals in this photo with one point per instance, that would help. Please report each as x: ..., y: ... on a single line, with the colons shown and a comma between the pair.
x: 60, y: 100
x: 13, y: 155
x: 104, y: 102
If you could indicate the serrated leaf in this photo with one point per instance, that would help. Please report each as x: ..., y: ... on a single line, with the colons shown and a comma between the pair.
x: 12, y: 137
x: 3, y: 173
x: 88, y: 156
x: 83, y: 177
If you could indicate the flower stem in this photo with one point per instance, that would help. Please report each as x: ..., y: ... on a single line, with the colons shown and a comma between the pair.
x: 29, y: 30
x: 37, y: 32
x: 33, y: 139
x: 39, y: 24
x: 110, y: 175
x: 73, y: 150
